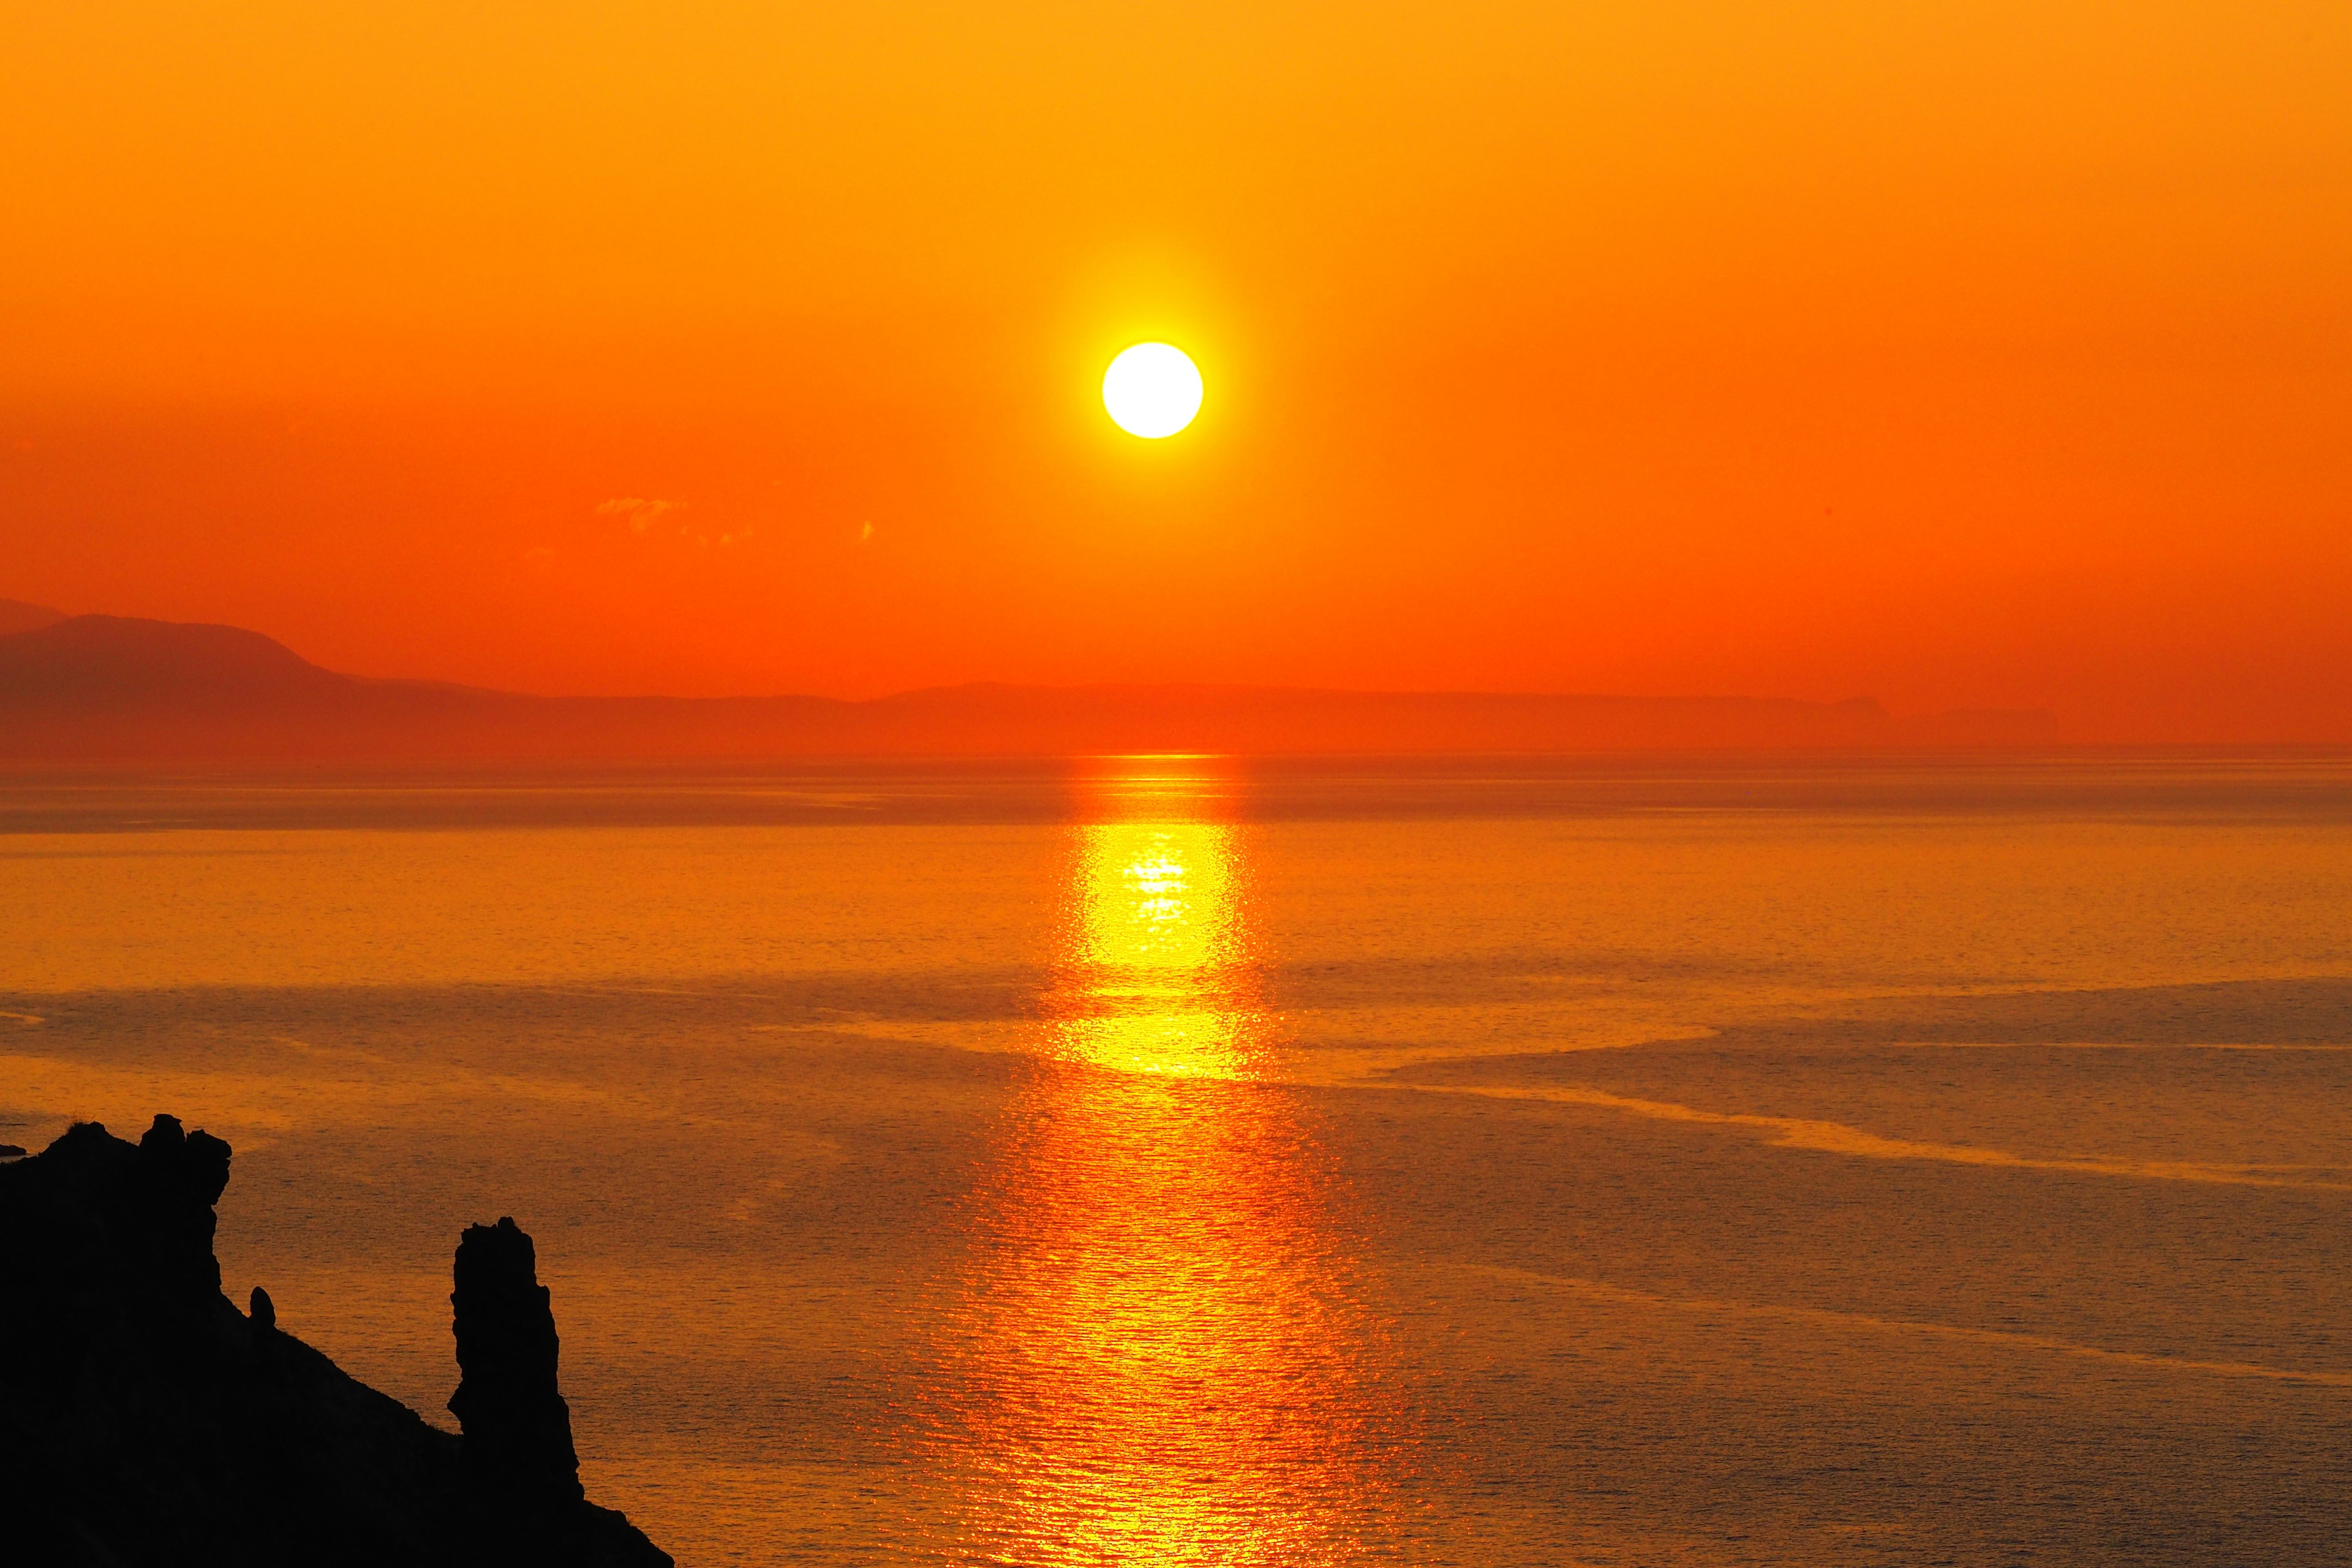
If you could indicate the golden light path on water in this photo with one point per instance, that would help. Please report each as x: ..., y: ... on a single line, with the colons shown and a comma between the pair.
x: 1157, y: 1352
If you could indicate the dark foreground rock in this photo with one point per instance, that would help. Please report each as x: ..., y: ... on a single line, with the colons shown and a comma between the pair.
x: 143, y: 1419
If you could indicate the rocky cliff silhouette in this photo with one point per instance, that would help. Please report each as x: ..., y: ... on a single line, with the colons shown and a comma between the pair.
x: 143, y: 1419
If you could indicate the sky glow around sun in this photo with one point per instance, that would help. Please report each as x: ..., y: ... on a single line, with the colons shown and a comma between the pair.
x: 1683, y: 347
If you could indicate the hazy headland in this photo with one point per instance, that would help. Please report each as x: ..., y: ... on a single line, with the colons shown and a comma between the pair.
x: 104, y: 687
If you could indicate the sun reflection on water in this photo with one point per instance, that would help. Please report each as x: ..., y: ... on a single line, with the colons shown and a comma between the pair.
x: 1157, y: 972
x: 1157, y: 1351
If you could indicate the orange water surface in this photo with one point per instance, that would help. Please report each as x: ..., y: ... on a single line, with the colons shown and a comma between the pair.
x: 1172, y: 1162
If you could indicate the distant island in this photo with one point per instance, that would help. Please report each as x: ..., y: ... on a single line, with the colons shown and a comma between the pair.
x: 111, y: 689
x: 143, y: 1419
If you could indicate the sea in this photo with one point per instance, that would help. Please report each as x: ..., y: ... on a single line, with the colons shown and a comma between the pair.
x: 1191, y: 1160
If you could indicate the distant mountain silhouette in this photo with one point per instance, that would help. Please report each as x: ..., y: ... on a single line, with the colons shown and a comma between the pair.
x: 102, y: 686
x: 144, y: 1420
x: 16, y: 616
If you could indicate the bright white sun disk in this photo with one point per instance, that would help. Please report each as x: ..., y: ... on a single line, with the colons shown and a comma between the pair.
x: 1151, y: 390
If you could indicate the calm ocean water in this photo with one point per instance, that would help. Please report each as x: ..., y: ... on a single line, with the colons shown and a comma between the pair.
x: 1168, y: 1161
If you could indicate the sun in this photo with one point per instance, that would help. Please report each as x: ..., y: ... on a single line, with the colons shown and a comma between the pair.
x: 1151, y: 390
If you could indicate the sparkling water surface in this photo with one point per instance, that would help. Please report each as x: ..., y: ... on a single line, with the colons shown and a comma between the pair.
x: 1174, y: 1160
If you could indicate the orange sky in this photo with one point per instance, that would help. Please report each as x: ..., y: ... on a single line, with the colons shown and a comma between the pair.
x: 1961, y: 354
